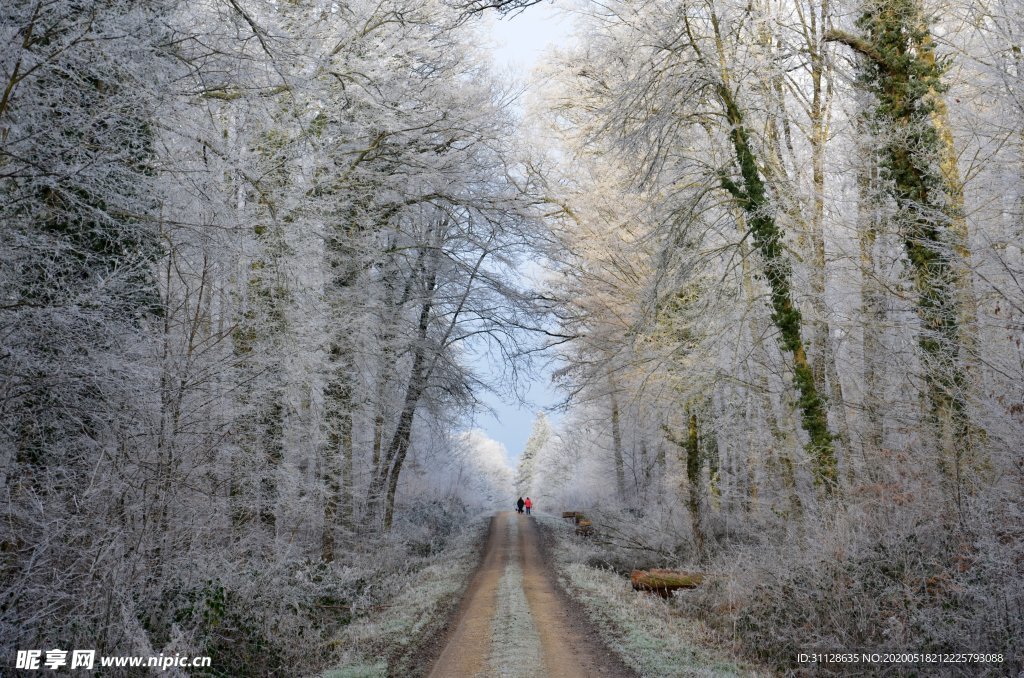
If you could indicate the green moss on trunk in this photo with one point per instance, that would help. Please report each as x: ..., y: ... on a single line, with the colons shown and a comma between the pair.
x: 767, y: 237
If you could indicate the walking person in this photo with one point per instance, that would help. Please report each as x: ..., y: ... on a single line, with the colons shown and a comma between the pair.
x: 519, y: 505
x: 528, y: 504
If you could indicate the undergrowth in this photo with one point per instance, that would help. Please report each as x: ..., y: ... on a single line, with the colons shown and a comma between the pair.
x: 386, y: 640
x: 867, y: 577
x: 642, y: 629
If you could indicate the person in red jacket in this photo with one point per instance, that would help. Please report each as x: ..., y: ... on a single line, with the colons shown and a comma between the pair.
x: 528, y: 504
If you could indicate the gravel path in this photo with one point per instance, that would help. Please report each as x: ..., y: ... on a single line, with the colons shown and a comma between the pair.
x: 513, y: 622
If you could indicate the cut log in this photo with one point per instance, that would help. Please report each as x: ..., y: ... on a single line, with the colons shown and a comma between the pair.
x: 575, y: 516
x: 584, y: 527
x: 664, y: 582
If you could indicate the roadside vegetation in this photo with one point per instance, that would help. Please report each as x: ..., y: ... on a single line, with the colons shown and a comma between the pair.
x: 393, y: 637
x: 649, y: 633
x: 786, y: 244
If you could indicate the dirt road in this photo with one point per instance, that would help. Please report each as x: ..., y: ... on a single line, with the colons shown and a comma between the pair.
x: 512, y: 621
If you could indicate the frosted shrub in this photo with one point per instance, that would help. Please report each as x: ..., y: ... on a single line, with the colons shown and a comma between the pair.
x: 900, y: 582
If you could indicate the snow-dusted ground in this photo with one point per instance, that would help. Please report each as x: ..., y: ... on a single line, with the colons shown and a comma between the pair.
x: 515, y: 644
x: 640, y: 628
x: 381, y: 644
x: 513, y: 625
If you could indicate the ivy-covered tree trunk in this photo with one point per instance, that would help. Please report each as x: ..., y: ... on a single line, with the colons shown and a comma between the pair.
x: 620, y: 472
x: 767, y: 237
x: 691, y: 459
x: 900, y: 68
x: 693, y: 469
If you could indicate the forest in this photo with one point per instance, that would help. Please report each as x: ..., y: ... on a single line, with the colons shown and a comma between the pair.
x: 260, y: 261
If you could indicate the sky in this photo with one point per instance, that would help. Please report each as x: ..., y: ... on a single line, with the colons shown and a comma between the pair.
x: 520, y: 40
x: 518, y: 44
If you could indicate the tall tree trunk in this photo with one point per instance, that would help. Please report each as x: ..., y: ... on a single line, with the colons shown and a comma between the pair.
x: 776, y: 425
x: 389, y: 469
x: 900, y: 68
x: 646, y: 467
x: 767, y: 238
x: 752, y: 198
x: 273, y: 454
x: 347, y: 271
x: 331, y: 501
x: 378, y: 422
x: 954, y: 193
x: 399, y: 445
x: 260, y: 330
x: 826, y: 375
x: 620, y: 472
x: 693, y: 478
x: 339, y: 452
x: 872, y: 317
x: 690, y: 458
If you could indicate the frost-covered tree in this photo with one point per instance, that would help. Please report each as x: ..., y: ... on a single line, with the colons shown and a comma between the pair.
x: 920, y: 173
x: 540, y: 437
x: 247, y: 248
x: 772, y: 247
x: 80, y: 242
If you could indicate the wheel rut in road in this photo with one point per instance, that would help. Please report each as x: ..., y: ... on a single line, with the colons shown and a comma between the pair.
x: 514, y: 623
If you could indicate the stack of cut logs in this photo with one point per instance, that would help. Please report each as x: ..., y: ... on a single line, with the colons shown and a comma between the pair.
x: 664, y: 582
x: 584, y: 527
